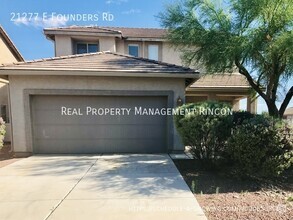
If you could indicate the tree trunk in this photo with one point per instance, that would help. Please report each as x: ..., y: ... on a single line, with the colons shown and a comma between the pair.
x: 273, y: 110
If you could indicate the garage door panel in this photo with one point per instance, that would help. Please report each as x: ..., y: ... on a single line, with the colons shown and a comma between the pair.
x: 97, y: 146
x: 94, y: 132
x: 55, y: 102
x: 55, y: 118
x: 57, y: 133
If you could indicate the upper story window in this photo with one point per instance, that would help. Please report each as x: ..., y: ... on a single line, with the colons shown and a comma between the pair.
x: 153, y: 52
x: 133, y: 50
x: 87, y: 48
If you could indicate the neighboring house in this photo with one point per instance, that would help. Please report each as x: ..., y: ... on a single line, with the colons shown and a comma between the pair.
x: 8, y: 54
x: 288, y: 115
x: 41, y: 89
x: 149, y: 43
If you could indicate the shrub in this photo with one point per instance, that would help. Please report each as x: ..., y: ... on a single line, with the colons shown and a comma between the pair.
x: 240, y: 116
x: 206, y: 134
x: 2, y: 132
x: 261, y: 146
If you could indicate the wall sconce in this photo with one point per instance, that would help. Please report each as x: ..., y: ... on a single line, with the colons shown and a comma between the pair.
x: 179, y: 101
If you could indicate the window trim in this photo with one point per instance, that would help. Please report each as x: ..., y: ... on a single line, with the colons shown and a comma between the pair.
x: 134, y: 45
x: 87, y: 46
x: 158, y: 47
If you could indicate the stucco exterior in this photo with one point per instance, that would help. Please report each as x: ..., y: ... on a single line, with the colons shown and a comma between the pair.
x: 170, y: 55
x: 18, y: 85
x: 7, y: 55
x: 66, y: 45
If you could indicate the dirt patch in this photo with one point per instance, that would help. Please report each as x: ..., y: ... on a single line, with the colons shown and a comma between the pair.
x: 7, y: 157
x: 224, y: 197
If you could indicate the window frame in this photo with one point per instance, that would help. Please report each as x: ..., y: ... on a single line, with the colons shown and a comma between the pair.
x: 158, y: 51
x: 87, y: 46
x: 134, y: 45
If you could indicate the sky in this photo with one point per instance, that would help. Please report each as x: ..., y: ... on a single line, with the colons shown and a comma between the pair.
x: 24, y: 21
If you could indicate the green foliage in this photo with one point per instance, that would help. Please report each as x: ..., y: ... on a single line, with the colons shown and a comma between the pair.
x: 205, y: 133
x: 256, y: 36
x: 261, y: 146
x: 239, y: 117
x: 2, y: 132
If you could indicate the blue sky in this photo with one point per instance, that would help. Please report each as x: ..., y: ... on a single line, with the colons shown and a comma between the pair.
x: 30, y: 40
x: 27, y: 34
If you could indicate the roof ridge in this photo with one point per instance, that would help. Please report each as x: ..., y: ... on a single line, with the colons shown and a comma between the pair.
x: 109, y: 28
x: 83, y: 27
x: 54, y: 58
x: 146, y: 28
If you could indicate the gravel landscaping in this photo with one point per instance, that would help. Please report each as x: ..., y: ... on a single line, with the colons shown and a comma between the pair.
x: 222, y: 196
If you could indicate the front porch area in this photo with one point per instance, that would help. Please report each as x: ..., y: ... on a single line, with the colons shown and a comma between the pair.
x: 229, y: 88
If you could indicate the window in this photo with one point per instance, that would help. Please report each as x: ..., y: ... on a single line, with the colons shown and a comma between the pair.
x: 153, y: 52
x: 4, y: 113
x: 86, y: 48
x: 133, y: 50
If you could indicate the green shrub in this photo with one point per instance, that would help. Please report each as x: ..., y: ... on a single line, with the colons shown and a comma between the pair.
x: 2, y: 132
x: 261, y: 146
x: 206, y: 134
x: 240, y: 116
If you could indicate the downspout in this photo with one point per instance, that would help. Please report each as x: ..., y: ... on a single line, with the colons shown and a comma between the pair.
x: 10, y: 117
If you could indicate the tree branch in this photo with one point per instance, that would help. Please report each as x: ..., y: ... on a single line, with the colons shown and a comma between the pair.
x: 244, y: 72
x: 286, y: 102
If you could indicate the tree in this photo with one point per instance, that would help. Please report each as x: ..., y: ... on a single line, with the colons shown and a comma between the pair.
x: 253, y: 36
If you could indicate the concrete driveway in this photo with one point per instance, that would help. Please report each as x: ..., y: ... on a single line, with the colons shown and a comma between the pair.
x: 95, y: 187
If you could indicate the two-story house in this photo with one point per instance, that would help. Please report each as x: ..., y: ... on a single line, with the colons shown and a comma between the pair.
x: 77, y: 101
x: 8, y: 54
x: 149, y: 43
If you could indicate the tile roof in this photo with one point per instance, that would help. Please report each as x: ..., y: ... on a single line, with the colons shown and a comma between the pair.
x: 10, y: 44
x: 100, y: 62
x: 123, y: 31
x: 141, y: 32
x: 221, y: 80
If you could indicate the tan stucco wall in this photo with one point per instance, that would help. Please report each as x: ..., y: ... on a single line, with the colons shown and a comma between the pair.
x: 166, y: 53
x: 120, y: 48
x: 4, y: 101
x: 5, y: 54
x: 170, y: 55
x: 5, y: 57
x: 107, y: 44
x: 19, y: 83
x: 64, y: 45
